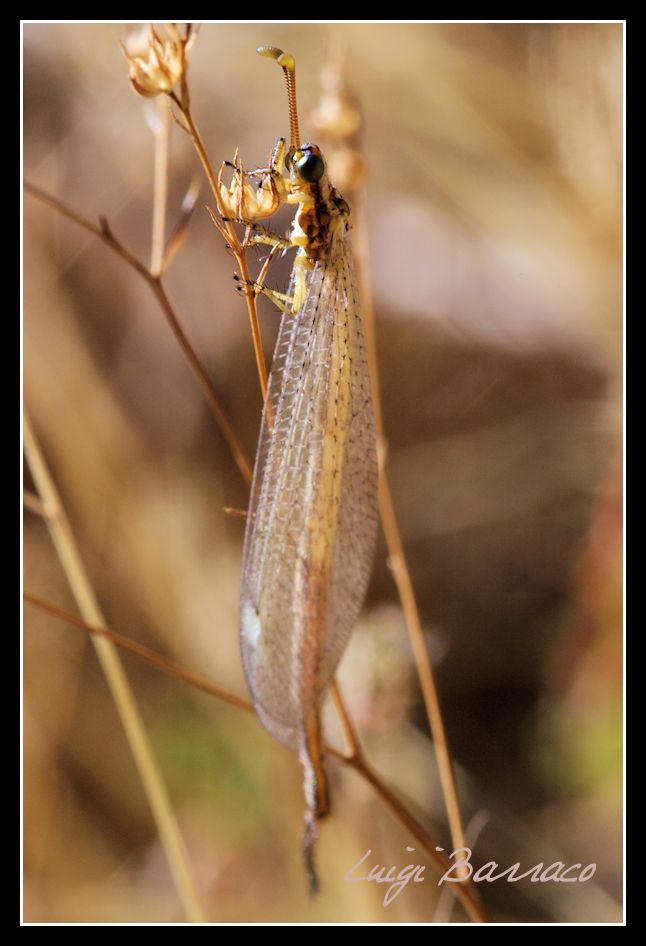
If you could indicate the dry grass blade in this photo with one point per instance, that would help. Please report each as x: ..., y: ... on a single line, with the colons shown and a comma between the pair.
x: 162, y: 146
x: 151, y: 778
x: 353, y: 758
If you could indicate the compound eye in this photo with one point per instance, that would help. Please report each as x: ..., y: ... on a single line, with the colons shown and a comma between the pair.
x: 310, y: 167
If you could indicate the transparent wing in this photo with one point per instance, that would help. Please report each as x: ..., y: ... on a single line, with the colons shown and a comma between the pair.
x: 313, y: 515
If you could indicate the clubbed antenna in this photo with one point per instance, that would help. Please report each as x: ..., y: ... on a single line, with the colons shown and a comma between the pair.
x: 288, y: 65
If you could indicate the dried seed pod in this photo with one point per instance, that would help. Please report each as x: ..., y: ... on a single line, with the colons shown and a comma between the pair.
x: 156, y: 57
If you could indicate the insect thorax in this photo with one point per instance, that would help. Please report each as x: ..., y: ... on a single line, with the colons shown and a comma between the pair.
x: 318, y: 218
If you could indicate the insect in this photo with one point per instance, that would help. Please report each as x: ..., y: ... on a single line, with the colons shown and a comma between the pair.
x: 312, y: 520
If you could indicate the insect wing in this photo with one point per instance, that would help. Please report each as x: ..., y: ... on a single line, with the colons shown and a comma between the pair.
x: 312, y: 520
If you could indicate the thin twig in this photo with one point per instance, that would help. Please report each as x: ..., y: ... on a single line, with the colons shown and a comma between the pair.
x: 160, y: 193
x: 445, y: 904
x: 356, y: 760
x: 200, y: 372
x: 397, y: 558
x: 353, y: 746
x: 404, y: 584
x: 232, y: 238
x: 104, y: 233
x: 151, y: 779
x: 151, y: 657
x: 463, y: 890
x: 235, y: 513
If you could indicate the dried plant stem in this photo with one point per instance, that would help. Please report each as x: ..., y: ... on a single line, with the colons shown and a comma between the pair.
x: 207, y: 388
x: 104, y: 233
x: 353, y: 758
x: 397, y: 558
x: 160, y: 193
x: 462, y: 890
x: 156, y: 660
x: 353, y: 747
x: 238, y: 250
x: 68, y: 554
x: 404, y: 584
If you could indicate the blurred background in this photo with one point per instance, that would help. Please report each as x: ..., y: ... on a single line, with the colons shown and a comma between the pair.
x: 493, y: 197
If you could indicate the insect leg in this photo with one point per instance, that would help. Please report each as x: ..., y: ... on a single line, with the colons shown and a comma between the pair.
x: 262, y: 275
x: 280, y: 299
x: 257, y: 235
x: 267, y: 236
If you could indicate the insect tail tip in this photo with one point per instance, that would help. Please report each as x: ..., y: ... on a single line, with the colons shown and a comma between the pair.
x: 310, y: 838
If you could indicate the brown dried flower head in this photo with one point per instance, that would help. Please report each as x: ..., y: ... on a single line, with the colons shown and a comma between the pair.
x: 242, y: 201
x: 156, y: 57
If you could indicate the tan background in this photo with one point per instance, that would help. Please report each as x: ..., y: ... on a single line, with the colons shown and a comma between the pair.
x: 494, y: 158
